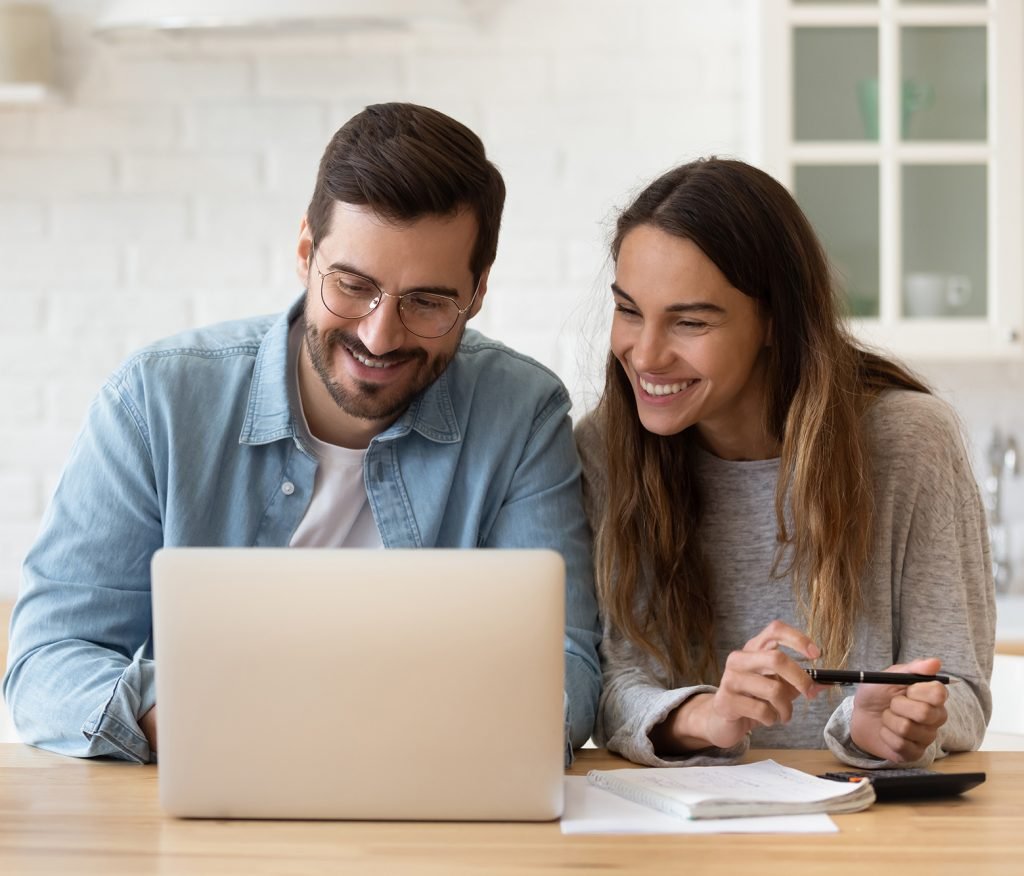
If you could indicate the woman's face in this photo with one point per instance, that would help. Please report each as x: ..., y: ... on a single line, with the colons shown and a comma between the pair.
x: 692, y: 346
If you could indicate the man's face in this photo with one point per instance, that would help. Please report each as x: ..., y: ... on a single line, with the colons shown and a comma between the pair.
x: 372, y: 367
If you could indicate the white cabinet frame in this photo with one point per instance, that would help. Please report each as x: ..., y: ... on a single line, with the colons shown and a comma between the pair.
x: 999, y: 334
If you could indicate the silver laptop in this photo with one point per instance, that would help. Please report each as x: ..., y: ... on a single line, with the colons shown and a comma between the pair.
x: 359, y: 684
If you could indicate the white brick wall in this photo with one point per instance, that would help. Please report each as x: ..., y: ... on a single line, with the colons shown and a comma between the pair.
x: 988, y: 396
x: 164, y: 187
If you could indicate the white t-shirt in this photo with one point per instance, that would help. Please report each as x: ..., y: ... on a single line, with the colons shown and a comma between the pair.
x: 339, y: 513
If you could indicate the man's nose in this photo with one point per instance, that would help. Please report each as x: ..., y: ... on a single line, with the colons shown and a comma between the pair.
x: 381, y: 330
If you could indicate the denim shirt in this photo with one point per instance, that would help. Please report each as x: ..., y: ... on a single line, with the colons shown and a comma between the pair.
x: 193, y: 441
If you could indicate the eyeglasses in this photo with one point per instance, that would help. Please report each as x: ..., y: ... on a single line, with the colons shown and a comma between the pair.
x: 425, y: 314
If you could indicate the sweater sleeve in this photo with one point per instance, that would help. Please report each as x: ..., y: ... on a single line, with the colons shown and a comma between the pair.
x: 634, y: 701
x: 943, y: 598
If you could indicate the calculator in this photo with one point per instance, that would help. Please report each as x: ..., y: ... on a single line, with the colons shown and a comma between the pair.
x: 910, y: 783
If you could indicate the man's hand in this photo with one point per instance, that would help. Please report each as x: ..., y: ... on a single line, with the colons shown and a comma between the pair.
x: 148, y: 725
x: 898, y: 722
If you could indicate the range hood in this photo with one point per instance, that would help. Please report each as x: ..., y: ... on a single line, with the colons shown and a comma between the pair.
x: 26, y: 53
x: 124, y: 18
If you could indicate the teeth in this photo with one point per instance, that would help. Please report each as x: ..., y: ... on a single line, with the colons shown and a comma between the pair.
x: 372, y: 363
x: 665, y: 388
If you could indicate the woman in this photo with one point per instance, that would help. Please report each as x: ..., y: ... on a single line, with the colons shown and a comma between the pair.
x: 757, y: 481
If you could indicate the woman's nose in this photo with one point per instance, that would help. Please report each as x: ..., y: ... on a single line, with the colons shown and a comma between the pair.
x: 650, y: 352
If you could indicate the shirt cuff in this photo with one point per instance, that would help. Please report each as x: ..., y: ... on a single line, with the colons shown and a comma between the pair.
x: 113, y: 729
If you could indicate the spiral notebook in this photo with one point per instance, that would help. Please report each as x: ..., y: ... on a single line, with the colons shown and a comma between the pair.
x: 762, y: 788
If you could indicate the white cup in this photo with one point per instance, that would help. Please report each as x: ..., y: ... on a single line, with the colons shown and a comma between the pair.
x: 928, y: 294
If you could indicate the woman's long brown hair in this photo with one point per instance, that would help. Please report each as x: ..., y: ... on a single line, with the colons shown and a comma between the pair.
x: 652, y: 576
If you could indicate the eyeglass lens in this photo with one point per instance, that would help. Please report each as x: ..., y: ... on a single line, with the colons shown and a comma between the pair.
x: 423, y: 313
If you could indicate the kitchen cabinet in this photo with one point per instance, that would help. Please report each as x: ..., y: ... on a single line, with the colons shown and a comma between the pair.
x: 897, y: 124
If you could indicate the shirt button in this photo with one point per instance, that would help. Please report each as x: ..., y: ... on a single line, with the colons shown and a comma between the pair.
x: 287, y: 488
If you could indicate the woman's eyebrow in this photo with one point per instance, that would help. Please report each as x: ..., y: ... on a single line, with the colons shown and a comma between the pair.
x: 687, y: 307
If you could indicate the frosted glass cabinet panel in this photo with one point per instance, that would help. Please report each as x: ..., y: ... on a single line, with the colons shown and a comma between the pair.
x: 944, y: 83
x: 835, y: 73
x: 945, y: 241
x: 842, y: 203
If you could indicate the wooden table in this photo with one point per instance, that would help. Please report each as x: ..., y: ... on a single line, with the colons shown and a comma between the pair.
x: 60, y: 815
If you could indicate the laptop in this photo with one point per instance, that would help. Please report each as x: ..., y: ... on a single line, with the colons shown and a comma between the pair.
x: 360, y: 684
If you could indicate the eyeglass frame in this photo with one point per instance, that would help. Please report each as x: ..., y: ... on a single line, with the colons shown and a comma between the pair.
x: 462, y: 311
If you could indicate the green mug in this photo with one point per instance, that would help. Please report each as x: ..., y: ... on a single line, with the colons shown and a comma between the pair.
x: 915, y: 96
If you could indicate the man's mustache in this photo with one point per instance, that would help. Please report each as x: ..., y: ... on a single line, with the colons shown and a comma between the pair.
x: 338, y: 337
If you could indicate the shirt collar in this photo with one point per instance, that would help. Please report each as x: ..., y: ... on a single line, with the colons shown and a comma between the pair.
x: 269, y: 415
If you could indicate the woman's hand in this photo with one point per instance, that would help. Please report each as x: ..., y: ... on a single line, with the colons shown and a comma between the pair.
x: 758, y: 687
x: 898, y: 722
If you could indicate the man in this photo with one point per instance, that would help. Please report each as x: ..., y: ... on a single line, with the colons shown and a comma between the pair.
x: 364, y: 416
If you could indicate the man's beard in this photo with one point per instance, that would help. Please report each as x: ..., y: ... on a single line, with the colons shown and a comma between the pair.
x: 371, y: 401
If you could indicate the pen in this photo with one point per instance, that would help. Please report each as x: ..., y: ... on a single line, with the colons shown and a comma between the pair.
x: 857, y: 676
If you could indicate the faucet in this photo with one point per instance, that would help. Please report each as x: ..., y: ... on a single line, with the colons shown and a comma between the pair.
x: 1003, y: 461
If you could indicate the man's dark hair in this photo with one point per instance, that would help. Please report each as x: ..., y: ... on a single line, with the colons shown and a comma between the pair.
x: 406, y: 161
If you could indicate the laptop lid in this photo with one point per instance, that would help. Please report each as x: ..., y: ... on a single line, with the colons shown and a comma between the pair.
x: 359, y: 684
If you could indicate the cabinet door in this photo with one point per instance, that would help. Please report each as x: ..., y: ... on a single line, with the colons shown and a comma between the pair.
x: 841, y: 200
x: 945, y: 241
x: 835, y: 84
x: 897, y: 125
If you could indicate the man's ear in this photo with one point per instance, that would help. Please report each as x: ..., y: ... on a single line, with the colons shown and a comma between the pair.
x: 481, y: 292
x: 304, y: 252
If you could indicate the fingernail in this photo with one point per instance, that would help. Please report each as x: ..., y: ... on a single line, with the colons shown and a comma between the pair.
x: 814, y: 651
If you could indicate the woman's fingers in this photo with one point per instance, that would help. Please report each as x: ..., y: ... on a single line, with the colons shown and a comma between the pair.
x: 899, y: 748
x: 918, y: 714
x: 899, y: 722
x: 912, y: 731
x: 733, y: 707
x: 779, y: 633
x: 772, y: 663
x: 761, y: 686
x: 760, y: 682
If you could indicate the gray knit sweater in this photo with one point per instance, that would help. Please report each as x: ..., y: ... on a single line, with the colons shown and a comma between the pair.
x: 927, y: 589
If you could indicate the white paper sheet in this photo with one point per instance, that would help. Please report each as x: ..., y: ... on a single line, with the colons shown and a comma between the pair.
x: 593, y: 810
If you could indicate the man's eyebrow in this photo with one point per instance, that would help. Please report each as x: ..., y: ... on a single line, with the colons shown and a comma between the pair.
x: 445, y: 291
x: 690, y: 307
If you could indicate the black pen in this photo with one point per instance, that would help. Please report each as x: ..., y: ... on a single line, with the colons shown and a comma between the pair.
x: 857, y: 676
